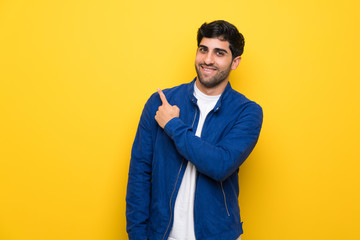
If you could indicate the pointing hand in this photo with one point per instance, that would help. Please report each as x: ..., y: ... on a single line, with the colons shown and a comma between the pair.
x: 166, y: 112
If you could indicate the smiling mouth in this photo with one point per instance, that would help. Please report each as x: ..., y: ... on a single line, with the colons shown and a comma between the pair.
x: 208, y: 69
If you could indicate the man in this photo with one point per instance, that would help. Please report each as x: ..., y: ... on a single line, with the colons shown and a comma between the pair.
x: 190, y: 143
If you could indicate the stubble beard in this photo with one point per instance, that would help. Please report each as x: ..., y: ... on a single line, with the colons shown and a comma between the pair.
x: 214, y: 81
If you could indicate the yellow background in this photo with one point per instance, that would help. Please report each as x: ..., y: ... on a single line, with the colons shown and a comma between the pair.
x: 75, y: 75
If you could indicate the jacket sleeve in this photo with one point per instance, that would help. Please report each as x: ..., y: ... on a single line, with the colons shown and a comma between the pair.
x: 139, y: 180
x: 219, y: 161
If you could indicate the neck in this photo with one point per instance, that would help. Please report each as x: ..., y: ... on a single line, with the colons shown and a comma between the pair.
x: 217, y: 90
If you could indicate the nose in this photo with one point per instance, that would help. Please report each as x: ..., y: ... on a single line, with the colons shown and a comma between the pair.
x: 209, y: 59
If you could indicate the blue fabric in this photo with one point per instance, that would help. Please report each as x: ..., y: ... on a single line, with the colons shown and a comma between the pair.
x: 159, y: 157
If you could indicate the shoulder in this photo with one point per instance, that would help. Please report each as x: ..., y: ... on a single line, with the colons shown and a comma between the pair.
x: 244, y: 105
x: 171, y: 94
x: 177, y: 90
x: 240, y: 99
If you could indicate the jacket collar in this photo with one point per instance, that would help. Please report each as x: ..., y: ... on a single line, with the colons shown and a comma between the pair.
x: 223, y: 96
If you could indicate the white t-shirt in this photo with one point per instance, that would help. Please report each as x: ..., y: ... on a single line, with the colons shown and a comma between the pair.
x: 183, y: 226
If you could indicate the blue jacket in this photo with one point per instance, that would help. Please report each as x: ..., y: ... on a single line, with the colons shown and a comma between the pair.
x: 159, y: 158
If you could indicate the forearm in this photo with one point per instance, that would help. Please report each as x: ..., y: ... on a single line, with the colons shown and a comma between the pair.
x: 220, y: 160
x: 138, y: 194
x: 137, y: 209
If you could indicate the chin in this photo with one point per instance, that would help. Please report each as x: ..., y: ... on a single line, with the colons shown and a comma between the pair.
x: 209, y: 84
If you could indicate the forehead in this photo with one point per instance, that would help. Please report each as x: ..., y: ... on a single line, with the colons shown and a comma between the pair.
x: 215, y: 43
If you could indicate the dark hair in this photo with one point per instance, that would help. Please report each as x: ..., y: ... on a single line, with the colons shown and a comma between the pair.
x: 224, y: 31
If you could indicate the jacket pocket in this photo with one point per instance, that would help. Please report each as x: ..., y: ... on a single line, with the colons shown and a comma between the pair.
x: 226, y: 206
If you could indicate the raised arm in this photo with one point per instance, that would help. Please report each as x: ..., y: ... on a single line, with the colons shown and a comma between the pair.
x: 221, y: 160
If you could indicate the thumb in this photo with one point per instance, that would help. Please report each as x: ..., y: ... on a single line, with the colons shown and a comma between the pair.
x: 162, y: 97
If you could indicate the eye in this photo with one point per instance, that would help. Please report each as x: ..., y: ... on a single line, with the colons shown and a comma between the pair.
x: 202, y: 50
x: 220, y: 53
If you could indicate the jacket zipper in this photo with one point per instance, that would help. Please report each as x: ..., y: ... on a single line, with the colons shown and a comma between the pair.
x: 227, y: 210
x: 177, y: 178
x: 192, y: 125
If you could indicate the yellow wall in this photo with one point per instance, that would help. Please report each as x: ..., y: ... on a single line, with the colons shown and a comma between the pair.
x: 74, y: 76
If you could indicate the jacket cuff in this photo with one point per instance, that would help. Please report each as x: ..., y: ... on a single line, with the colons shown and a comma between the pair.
x: 172, y: 125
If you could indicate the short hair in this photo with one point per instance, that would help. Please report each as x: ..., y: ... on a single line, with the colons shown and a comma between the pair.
x: 224, y: 31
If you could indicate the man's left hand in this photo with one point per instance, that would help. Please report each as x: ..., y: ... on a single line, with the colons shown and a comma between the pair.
x: 166, y: 112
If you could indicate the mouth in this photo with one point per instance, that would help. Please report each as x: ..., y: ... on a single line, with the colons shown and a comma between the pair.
x: 208, y: 69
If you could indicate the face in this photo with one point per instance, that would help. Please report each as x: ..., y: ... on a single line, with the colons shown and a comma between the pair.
x: 214, y: 62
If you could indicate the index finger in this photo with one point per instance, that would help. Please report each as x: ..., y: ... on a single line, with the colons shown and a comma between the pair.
x: 162, y: 97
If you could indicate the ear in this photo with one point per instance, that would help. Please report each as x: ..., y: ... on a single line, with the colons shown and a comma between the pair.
x: 235, y: 62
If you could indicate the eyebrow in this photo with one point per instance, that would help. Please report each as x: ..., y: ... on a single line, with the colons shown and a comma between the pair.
x: 216, y: 49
